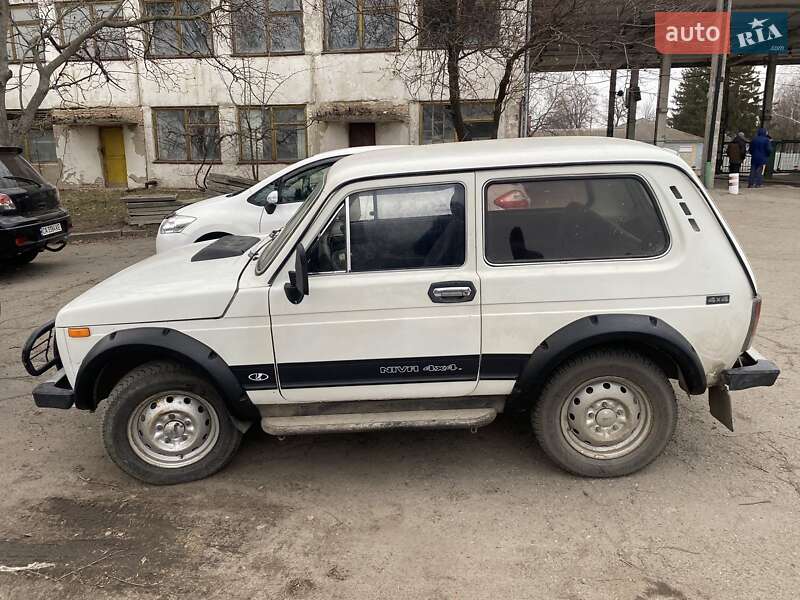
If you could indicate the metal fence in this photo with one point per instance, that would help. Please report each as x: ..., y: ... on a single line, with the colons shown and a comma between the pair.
x: 785, y: 158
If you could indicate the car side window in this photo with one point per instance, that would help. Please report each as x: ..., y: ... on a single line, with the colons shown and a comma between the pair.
x: 293, y: 188
x: 577, y: 218
x: 298, y: 187
x: 412, y: 227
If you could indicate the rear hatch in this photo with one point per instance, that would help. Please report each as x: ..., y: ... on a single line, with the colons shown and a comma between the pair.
x: 31, y: 194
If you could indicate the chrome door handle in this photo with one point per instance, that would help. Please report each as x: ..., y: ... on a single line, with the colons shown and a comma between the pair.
x: 451, y: 291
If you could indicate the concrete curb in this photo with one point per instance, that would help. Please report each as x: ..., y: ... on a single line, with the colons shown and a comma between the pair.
x: 110, y: 234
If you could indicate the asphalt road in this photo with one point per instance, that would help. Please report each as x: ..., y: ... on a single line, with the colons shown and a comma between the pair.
x: 409, y: 514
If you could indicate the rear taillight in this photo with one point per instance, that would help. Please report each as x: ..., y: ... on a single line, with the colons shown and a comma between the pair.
x: 755, y: 315
x: 6, y: 203
x: 511, y: 200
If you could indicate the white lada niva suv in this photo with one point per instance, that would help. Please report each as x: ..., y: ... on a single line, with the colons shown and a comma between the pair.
x: 568, y: 279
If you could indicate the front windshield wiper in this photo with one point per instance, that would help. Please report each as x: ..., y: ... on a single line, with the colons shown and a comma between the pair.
x: 20, y: 178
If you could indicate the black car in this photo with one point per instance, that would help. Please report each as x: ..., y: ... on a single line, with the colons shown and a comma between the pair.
x: 31, y: 219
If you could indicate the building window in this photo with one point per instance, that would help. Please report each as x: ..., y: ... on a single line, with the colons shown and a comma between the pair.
x: 39, y: 145
x: 358, y: 25
x: 176, y: 39
x: 267, y: 27
x: 187, y: 134
x: 107, y: 44
x: 437, y: 121
x: 469, y: 23
x: 580, y: 218
x: 272, y: 133
x: 25, y: 28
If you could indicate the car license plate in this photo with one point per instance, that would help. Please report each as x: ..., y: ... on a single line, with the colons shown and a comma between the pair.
x: 50, y: 229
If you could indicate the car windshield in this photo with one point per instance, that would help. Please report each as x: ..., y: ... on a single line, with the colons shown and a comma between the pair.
x: 271, y: 247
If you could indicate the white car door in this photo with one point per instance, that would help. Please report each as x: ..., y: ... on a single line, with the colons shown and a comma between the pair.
x: 293, y: 190
x: 394, y: 304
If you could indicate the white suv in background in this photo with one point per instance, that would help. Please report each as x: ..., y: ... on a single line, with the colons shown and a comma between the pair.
x: 247, y: 212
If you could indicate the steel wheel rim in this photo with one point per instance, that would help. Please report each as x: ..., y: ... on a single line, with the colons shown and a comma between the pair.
x: 173, y: 429
x: 606, y: 417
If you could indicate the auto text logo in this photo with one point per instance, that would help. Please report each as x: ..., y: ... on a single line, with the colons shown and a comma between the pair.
x: 692, y: 32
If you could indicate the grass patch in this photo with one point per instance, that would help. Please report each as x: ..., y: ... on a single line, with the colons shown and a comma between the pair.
x: 98, y: 209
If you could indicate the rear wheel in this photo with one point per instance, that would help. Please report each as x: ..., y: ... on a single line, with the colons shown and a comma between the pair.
x: 605, y: 414
x: 166, y: 425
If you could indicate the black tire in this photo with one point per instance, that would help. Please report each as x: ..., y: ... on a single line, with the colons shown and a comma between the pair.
x: 650, y: 380
x: 149, y: 380
x: 24, y: 258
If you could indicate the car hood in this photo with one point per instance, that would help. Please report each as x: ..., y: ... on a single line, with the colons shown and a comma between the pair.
x: 208, y: 204
x: 164, y: 287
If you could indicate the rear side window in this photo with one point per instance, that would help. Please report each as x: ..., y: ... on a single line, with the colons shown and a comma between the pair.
x: 16, y: 172
x: 571, y: 219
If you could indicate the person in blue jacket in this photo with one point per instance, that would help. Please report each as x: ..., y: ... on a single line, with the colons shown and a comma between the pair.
x: 760, y: 149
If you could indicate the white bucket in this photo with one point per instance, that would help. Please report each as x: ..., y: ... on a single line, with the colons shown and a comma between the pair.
x: 733, y: 183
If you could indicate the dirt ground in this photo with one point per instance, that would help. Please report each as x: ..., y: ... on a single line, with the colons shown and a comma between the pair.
x: 409, y: 514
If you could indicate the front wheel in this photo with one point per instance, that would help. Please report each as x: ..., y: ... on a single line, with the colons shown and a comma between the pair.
x: 166, y: 425
x: 605, y: 414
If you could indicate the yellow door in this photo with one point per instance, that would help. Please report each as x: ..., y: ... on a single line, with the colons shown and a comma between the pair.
x: 113, y: 147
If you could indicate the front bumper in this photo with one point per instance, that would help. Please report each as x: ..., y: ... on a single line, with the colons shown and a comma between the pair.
x: 751, y: 370
x: 54, y: 393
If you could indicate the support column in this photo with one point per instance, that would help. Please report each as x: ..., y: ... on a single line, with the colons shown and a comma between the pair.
x: 714, y: 109
x: 633, y: 90
x: 662, y: 102
x: 769, y: 92
x: 612, y: 103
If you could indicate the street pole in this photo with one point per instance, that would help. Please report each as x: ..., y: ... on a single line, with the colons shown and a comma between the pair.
x: 633, y: 86
x: 662, y: 103
x: 612, y: 103
x: 714, y: 108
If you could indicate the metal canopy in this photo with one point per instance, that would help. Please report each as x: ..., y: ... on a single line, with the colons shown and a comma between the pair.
x: 639, y: 50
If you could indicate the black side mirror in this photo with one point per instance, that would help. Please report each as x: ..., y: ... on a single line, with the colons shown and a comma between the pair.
x: 298, y: 279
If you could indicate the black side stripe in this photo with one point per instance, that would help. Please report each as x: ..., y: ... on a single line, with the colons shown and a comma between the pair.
x: 502, y: 366
x: 381, y: 371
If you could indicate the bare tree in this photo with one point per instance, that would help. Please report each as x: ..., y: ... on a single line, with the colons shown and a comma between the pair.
x: 69, y: 49
x: 456, y: 50
x: 562, y: 101
x: 786, y: 109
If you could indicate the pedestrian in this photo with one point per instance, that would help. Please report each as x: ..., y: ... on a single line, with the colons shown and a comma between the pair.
x: 760, y: 150
x: 737, y: 151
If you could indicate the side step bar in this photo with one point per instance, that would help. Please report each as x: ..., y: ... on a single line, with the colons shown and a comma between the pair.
x: 465, y: 418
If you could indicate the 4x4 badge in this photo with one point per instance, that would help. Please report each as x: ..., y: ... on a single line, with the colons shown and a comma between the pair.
x: 258, y: 376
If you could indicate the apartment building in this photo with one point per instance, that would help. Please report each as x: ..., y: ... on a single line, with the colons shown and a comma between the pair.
x: 328, y: 79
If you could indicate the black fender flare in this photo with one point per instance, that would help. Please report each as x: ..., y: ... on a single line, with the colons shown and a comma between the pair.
x: 161, y: 342
x: 645, y: 332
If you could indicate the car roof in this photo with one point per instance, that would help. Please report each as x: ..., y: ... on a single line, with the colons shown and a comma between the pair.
x: 492, y: 154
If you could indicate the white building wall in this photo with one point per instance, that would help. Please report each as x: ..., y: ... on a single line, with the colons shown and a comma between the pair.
x: 315, y: 78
